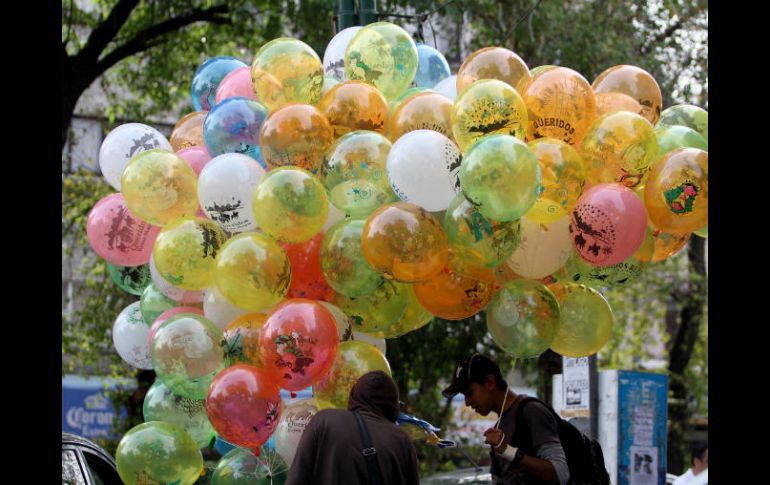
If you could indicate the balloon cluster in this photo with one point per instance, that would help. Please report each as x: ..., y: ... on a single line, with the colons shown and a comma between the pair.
x: 309, y: 209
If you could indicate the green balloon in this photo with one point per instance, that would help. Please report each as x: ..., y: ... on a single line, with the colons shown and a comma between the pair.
x: 160, y: 404
x: 500, y: 175
x: 677, y: 136
x: 476, y: 238
x: 153, y: 303
x: 342, y: 260
x: 131, y: 279
x: 157, y: 452
x: 586, y: 321
x: 415, y: 317
x: 523, y: 318
x: 241, y: 467
x: 377, y: 311
x: 686, y: 115
x: 393, y: 105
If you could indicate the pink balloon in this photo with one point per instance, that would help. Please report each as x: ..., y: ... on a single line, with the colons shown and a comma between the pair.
x: 117, y: 235
x: 196, y: 156
x: 168, y: 314
x: 236, y: 84
x: 607, y: 224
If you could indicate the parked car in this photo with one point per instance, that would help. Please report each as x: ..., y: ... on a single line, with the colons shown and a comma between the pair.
x: 83, y: 462
x: 465, y: 476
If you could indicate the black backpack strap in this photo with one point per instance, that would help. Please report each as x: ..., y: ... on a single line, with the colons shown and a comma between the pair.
x: 369, y: 452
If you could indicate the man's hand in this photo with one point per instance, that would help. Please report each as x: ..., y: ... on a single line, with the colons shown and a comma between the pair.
x: 495, y: 437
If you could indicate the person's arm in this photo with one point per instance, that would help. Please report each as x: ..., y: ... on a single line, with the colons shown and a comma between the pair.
x: 413, y: 468
x: 301, y: 470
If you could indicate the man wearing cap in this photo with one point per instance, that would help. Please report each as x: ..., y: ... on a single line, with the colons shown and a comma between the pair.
x: 531, y: 454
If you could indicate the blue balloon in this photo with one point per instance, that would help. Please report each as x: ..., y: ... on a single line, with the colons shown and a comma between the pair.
x: 256, y: 154
x: 233, y: 126
x: 222, y: 446
x: 207, y: 78
x: 432, y: 67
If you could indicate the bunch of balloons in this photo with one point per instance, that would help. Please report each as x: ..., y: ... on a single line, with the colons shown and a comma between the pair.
x: 309, y: 209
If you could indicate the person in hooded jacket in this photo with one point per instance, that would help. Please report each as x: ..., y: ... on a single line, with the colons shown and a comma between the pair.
x: 331, y: 449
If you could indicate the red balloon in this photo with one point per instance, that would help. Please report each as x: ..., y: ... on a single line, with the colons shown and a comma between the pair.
x: 299, y: 343
x: 307, y: 279
x: 243, y: 406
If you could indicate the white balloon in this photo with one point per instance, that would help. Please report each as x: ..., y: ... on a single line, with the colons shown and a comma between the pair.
x: 175, y: 293
x: 447, y: 87
x: 125, y: 142
x: 225, y: 188
x: 294, y: 419
x: 129, y: 335
x: 422, y: 169
x: 544, y: 248
x: 217, y: 309
x: 341, y: 319
x: 334, y: 56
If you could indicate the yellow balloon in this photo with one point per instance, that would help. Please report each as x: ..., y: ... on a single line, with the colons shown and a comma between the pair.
x: 676, y: 194
x: 560, y: 104
x: 488, y: 107
x: 354, y: 359
x: 159, y: 186
x: 354, y: 105
x: 297, y: 134
x: 242, y: 335
x: 415, y: 317
x: 619, y: 147
x: 492, y: 63
x: 423, y: 111
x: 382, y: 54
x: 188, y: 131
x: 290, y: 204
x: 252, y: 271
x: 185, y: 252
x: 563, y: 177
x: 611, y: 101
x: 585, y: 323
x: 377, y: 311
x: 635, y: 82
x: 286, y: 70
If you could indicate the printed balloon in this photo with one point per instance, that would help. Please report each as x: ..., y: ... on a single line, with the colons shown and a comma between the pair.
x: 129, y: 335
x: 432, y: 67
x: 188, y: 131
x: 296, y: 134
x: 585, y: 322
x: 294, y: 419
x: 563, y: 178
x: 686, y: 115
x: 543, y: 250
x: 492, y: 63
x: 285, y: 71
x: 377, y: 311
x: 117, y: 235
x: 237, y: 84
x: 240, y: 466
x: 635, y: 82
x: 343, y: 263
x: 125, y: 142
x: 354, y: 359
x: 334, y: 56
x: 170, y: 291
x: 131, y: 279
x: 160, y: 404
x: 233, y: 126
x: 207, y: 79
x: 354, y: 105
x: 423, y: 111
x: 185, y: 252
x: 242, y: 336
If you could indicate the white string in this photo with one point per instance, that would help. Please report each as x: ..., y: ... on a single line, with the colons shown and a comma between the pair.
x: 500, y: 414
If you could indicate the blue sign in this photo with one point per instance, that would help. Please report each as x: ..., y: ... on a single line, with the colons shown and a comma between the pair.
x: 642, y: 401
x: 85, y: 409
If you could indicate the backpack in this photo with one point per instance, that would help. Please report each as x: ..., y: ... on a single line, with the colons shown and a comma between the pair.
x: 585, y: 459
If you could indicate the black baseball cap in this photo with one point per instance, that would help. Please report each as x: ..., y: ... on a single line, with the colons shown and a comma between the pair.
x: 474, y: 368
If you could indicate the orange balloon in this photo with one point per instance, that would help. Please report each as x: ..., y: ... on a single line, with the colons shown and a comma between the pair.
x: 610, y: 101
x: 635, y: 82
x: 459, y: 291
x: 423, y: 111
x: 492, y: 63
x: 676, y: 194
x: 404, y: 242
x: 297, y: 134
x: 242, y: 336
x: 354, y: 105
x: 560, y: 104
x: 188, y: 131
x: 307, y: 279
x: 667, y: 244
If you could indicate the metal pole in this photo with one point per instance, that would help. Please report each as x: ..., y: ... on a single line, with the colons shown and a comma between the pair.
x: 367, y: 13
x: 593, y: 393
x: 347, y: 14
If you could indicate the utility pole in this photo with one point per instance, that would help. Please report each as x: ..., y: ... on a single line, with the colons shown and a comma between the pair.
x: 348, y: 16
x: 368, y: 12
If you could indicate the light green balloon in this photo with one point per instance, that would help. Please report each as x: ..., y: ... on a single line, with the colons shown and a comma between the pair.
x: 415, y: 317
x: 157, y: 452
x: 131, y: 279
x: 342, y: 260
x: 686, y: 115
x: 378, y: 310
x: 153, y: 303
x: 242, y: 467
x: 677, y: 136
x: 160, y: 404
x: 500, y: 175
x: 586, y: 321
x: 523, y: 318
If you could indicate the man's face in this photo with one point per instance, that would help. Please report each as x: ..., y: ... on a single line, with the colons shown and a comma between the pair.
x: 479, y: 398
x: 699, y: 464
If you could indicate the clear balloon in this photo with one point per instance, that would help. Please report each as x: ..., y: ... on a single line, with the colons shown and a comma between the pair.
x: 159, y: 186
x: 676, y: 194
x: 488, y: 107
x: 185, y: 252
x: 422, y: 168
x: 296, y: 134
x: 343, y: 263
x: 686, y: 115
x: 117, y: 235
x: 225, y: 188
x: 543, y: 250
x: 354, y: 105
x: 237, y: 84
x: 382, y: 54
x: 403, y: 242
x: 158, y: 452
x: 131, y: 279
x: 287, y: 70
x: 153, y: 303
x: 586, y: 321
x: 432, y: 67
x: 188, y: 131
x: 175, y: 293
x: 500, y: 175
x: 125, y: 142
x: 242, y: 467
x: 448, y: 87
x: 423, y: 111
x: 243, y: 406
x: 334, y: 56
x: 242, y: 336
x: 299, y: 343
x: 563, y: 178
x: 252, y: 271
x: 294, y: 419
x: 233, y: 126
x: 492, y: 63
x: 160, y: 404
x: 354, y: 359
x: 290, y: 204
x: 307, y: 279
x: 129, y: 335
x: 177, y: 310
x: 207, y: 79
x: 377, y: 311
x: 635, y: 82
x: 187, y: 353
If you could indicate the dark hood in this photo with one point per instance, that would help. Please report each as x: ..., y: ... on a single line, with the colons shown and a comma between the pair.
x: 376, y: 392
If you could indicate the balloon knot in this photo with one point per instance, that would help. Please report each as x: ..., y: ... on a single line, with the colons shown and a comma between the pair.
x: 256, y: 451
x: 293, y: 394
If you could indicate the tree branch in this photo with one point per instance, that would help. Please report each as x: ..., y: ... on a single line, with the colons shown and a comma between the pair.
x: 106, y: 31
x: 644, y: 49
